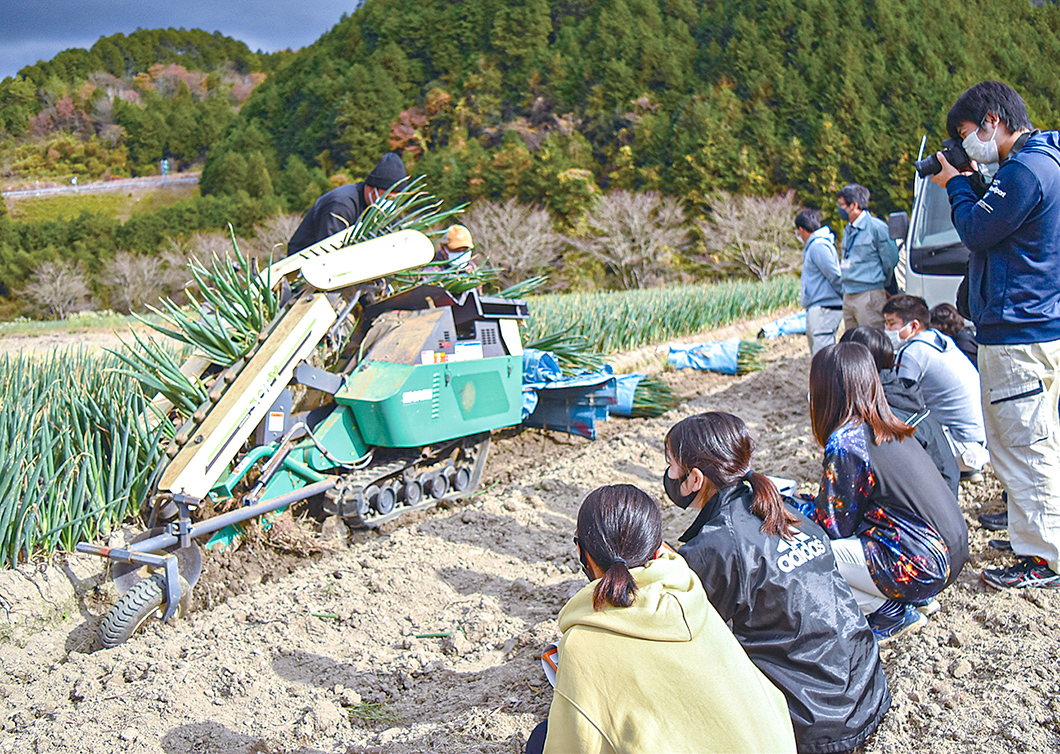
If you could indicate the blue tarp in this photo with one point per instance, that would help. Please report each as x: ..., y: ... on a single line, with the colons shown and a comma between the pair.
x: 793, y: 324
x: 627, y: 386
x: 712, y: 357
x: 529, y: 401
x: 569, y: 404
x: 540, y: 366
x: 572, y: 418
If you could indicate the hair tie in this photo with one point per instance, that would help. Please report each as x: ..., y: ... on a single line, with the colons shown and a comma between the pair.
x: 619, y: 560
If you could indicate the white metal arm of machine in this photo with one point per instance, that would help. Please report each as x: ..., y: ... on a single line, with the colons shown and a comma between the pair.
x: 329, y: 264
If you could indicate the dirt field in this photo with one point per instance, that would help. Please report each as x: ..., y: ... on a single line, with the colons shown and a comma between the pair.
x: 426, y: 637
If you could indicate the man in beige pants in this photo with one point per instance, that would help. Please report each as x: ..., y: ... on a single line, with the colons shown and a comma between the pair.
x: 1013, y: 234
x: 869, y: 259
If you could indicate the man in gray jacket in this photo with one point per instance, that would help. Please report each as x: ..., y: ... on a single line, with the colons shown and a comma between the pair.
x: 869, y: 259
x: 822, y: 292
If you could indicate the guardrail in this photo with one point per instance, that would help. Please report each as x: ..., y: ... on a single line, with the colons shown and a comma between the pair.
x: 107, y: 186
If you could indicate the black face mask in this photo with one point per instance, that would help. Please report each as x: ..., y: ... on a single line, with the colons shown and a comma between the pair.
x: 673, y: 490
x: 584, y: 561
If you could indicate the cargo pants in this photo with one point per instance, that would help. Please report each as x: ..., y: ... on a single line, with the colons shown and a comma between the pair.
x: 1021, y: 394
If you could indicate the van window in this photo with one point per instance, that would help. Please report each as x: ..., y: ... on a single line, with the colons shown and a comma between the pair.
x: 933, y: 225
x: 936, y: 249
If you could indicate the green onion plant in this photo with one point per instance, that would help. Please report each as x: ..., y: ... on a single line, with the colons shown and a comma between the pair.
x: 621, y: 320
x: 75, y: 457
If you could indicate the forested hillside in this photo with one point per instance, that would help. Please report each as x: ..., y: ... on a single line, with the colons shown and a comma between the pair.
x: 120, y: 107
x: 116, y: 110
x: 549, y: 100
x: 609, y: 140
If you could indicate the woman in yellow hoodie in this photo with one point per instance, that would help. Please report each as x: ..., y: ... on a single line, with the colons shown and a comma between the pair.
x: 645, y: 663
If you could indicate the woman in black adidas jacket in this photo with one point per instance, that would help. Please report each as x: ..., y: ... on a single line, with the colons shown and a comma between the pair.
x: 769, y: 571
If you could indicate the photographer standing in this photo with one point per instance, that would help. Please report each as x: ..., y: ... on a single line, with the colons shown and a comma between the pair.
x: 869, y: 259
x: 1013, y: 234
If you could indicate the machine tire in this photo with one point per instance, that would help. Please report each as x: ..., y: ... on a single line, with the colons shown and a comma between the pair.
x: 439, y: 485
x: 136, y: 607
x: 412, y: 492
x: 386, y: 499
x: 462, y: 478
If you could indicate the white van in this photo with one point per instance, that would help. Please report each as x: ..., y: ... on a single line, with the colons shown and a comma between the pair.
x: 932, y: 260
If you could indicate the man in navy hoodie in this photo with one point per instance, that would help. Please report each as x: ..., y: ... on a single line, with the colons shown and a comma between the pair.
x: 1013, y: 234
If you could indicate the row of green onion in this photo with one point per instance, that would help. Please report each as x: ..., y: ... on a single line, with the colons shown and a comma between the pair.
x: 622, y: 320
x: 75, y: 456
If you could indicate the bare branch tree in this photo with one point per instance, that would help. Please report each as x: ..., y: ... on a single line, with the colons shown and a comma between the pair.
x: 517, y: 238
x: 270, y: 237
x: 59, y: 288
x: 752, y: 235
x: 133, y: 281
x: 637, y: 236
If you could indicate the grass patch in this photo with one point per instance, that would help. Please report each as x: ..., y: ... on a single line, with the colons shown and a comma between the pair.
x: 119, y: 203
x: 79, y: 322
x: 373, y: 712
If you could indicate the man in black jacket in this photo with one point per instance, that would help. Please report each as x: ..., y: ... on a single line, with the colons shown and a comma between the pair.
x: 341, y: 207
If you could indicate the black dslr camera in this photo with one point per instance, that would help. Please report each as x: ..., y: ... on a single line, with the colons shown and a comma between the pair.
x: 954, y: 153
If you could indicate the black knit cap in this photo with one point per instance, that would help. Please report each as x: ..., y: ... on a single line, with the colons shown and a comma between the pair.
x: 388, y: 171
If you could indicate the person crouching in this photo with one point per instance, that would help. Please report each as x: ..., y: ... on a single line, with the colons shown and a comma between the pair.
x: 645, y: 663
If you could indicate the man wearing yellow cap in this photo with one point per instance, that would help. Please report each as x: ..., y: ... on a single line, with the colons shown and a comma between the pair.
x: 456, y: 248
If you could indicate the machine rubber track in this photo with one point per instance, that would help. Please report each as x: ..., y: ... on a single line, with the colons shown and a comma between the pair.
x: 409, y: 480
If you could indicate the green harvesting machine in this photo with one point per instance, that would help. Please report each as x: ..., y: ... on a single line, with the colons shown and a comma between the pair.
x: 363, y: 403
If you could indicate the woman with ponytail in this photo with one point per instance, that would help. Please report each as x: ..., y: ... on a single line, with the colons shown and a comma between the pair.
x: 769, y: 572
x: 645, y: 664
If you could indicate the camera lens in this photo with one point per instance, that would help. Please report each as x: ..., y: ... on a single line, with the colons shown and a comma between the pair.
x: 930, y: 165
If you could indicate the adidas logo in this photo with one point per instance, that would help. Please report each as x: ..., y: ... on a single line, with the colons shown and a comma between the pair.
x: 801, y: 549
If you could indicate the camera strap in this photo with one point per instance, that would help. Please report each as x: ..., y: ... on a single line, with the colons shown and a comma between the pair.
x: 1021, y: 142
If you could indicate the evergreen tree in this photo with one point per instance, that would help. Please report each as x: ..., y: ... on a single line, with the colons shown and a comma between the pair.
x: 295, y: 181
x: 6, y: 231
x: 258, y: 184
x: 234, y: 173
x: 147, y: 143
x: 242, y: 141
x: 183, y: 128
x: 364, y: 115
x: 213, y: 116
x: 19, y: 103
x: 520, y: 34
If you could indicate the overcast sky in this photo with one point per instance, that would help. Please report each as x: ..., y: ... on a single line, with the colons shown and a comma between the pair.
x: 32, y: 30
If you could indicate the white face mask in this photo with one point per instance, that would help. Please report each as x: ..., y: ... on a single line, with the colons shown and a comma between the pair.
x: 981, y: 151
x: 895, y: 336
x: 459, y: 258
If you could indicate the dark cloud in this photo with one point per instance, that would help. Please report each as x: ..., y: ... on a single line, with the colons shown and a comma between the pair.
x: 33, y: 30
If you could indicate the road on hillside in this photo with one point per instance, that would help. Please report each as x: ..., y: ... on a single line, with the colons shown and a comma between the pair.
x: 105, y: 186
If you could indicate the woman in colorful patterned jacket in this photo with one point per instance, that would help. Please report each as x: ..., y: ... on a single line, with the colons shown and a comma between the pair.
x: 898, y: 533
